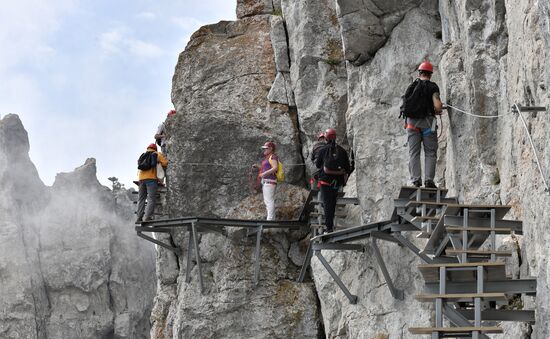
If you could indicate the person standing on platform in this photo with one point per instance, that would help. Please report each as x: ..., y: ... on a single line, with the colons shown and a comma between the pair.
x: 148, y: 182
x: 333, y: 163
x: 268, y: 175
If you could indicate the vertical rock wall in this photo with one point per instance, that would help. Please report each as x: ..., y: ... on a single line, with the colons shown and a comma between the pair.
x: 70, y: 264
x: 496, y: 56
x: 221, y: 87
x: 345, y: 63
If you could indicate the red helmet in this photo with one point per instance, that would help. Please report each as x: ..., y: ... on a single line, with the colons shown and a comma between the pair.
x: 320, y: 135
x: 426, y: 66
x: 153, y: 146
x: 171, y: 112
x: 269, y: 144
x: 330, y: 134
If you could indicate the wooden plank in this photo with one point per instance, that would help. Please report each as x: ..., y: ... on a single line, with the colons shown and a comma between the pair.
x: 429, y: 330
x: 499, y: 230
x: 462, y: 296
x: 479, y: 253
x: 407, y: 190
x: 461, y: 265
x: 432, y: 203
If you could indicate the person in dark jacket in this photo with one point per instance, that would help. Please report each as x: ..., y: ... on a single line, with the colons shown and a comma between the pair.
x: 320, y: 143
x: 333, y: 163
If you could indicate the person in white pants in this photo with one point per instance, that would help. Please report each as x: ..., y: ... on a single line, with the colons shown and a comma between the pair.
x: 268, y: 175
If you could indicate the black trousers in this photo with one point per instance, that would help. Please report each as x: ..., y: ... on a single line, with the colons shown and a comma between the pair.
x: 329, y: 194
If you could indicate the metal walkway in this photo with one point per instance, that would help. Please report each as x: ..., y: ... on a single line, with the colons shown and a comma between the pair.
x: 462, y: 276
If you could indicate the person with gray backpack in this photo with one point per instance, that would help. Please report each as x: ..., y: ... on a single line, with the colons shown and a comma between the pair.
x: 421, y: 103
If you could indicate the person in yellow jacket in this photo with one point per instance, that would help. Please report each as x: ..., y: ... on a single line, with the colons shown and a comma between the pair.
x: 148, y: 185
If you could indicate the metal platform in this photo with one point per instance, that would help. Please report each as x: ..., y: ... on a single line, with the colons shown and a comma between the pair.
x: 460, y: 275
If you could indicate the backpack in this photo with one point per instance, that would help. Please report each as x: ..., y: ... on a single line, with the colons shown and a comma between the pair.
x: 415, y: 101
x: 147, y: 161
x: 331, y: 160
x: 280, y: 174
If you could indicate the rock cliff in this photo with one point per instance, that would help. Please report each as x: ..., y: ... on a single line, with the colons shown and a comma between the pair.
x: 288, y: 69
x: 70, y: 264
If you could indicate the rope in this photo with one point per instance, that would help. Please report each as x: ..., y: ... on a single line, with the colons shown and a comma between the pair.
x: 532, y: 146
x: 474, y: 115
x: 230, y: 165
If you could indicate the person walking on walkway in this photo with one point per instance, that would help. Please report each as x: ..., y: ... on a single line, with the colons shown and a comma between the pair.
x: 334, y: 166
x: 148, y: 182
x: 160, y: 136
x: 320, y: 143
x: 421, y: 103
x: 268, y: 175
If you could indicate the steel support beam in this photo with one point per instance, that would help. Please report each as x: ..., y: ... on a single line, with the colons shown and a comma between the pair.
x: 160, y: 243
x: 189, y: 261
x: 197, y: 253
x: 384, y: 236
x: 153, y: 229
x: 257, y: 255
x: 307, y: 261
x: 405, y: 242
x: 352, y: 298
x: 396, y: 293
x: 458, y: 319
x: 337, y: 247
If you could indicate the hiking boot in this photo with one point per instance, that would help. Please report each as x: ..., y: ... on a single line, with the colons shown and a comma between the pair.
x: 417, y: 183
x: 430, y: 184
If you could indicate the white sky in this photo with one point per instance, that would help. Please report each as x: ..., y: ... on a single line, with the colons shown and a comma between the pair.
x: 93, y: 78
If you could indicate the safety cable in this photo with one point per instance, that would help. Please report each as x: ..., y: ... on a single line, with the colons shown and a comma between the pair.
x: 230, y: 165
x: 474, y: 115
x: 532, y: 146
x: 547, y: 189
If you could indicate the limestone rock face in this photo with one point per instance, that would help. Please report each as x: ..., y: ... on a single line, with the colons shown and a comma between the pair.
x: 317, y: 69
x: 247, y: 8
x: 219, y: 90
x: 378, y: 136
x: 232, y: 306
x: 346, y: 64
x: 367, y: 25
x: 496, y: 56
x: 70, y: 263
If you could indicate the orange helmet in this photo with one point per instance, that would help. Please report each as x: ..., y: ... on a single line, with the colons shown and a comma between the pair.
x: 153, y: 146
x: 426, y: 66
x: 330, y: 134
